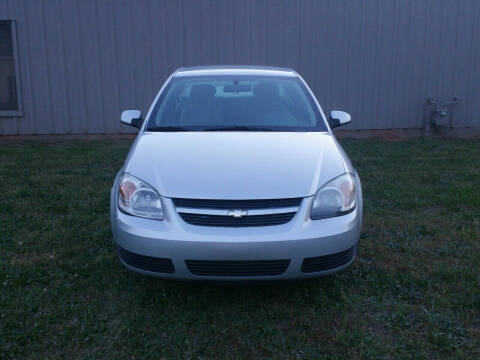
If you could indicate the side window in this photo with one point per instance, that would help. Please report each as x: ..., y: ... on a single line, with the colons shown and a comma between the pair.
x: 10, y: 100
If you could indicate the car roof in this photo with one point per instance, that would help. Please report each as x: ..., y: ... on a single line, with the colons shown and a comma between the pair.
x: 235, y: 70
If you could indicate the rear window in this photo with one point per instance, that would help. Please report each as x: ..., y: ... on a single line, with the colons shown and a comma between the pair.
x: 228, y: 101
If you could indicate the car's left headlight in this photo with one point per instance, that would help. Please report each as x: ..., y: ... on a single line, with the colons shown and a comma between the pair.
x: 137, y: 198
x: 335, y: 198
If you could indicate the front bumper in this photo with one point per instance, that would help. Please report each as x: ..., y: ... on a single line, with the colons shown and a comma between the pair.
x: 175, y: 240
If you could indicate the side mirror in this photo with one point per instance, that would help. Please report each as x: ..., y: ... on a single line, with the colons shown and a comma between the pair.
x: 132, y: 118
x: 339, y: 118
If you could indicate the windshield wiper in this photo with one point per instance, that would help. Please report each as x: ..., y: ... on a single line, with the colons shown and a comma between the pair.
x: 239, y: 128
x: 168, y: 128
x: 226, y: 128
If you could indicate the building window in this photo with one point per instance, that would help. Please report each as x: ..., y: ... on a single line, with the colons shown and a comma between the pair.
x: 10, y: 100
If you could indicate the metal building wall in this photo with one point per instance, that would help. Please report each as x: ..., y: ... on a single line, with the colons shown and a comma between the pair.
x: 83, y: 61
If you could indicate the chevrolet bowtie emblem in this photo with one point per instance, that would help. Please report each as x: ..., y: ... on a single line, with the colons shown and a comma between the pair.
x: 237, y: 213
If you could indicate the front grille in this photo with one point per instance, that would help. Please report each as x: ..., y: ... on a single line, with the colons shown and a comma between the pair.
x: 236, y: 204
x: 237, y: 268
x: 229, y: 221
x: 148, y: 263
x: 327, y: 262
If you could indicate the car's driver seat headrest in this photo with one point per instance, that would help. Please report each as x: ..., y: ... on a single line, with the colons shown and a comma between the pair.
x: 267, y: 89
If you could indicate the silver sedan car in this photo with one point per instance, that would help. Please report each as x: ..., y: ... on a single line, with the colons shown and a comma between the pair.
x: 236, y: 175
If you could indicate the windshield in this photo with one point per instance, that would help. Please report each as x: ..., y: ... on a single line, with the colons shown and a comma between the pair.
x: 235, y: 103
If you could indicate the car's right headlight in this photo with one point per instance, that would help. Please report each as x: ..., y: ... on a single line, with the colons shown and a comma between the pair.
x: 137, y: 198
x: 335, y: 198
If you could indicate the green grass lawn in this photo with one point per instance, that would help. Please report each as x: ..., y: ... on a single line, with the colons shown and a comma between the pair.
x: 413, y: 292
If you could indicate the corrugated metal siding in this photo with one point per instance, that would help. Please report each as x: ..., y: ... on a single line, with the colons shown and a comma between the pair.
x: 83, y: 61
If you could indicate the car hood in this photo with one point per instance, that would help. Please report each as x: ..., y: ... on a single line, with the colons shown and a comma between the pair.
x: 235, y: 165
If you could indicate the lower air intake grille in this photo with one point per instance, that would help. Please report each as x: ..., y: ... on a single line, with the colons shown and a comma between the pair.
x: 229, y: 221
x: 327, y: 262
x: 237, y: 268
x: 148, y: 263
